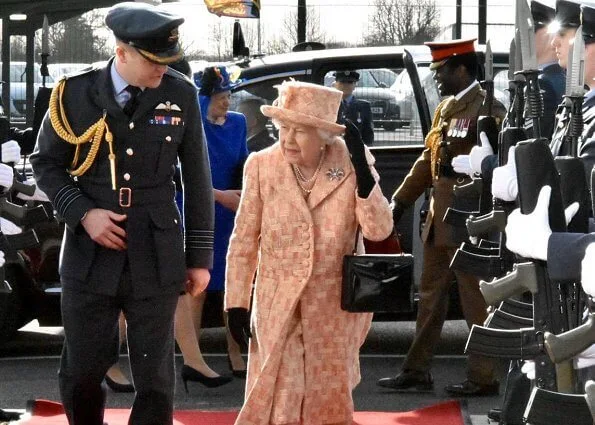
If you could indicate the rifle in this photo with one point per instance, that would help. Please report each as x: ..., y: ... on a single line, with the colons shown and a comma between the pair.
x: 549, y: 407
x: 571, y: 343
x: 499, y: 319
x: 516, y: 307
x: 512, y: 344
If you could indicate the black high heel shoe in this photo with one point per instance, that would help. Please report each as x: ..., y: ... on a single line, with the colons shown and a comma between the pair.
x: 191, y: 374
x: 238, y: 373
x: 117, y: 387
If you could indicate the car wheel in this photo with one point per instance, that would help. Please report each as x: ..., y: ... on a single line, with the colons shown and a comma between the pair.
x: 12, y: 304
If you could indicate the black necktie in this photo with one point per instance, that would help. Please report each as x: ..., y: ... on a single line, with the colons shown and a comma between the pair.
x: 132, y: 103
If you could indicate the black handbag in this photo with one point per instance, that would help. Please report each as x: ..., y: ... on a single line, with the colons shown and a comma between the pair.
x: 377, y: 283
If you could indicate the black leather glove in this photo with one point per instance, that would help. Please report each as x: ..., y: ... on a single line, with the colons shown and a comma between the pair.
x: 398, y: 210
x: 355, y: 145
x: 238, y: 321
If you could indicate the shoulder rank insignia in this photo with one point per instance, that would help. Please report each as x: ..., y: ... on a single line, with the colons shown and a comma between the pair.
x: 168, y: 106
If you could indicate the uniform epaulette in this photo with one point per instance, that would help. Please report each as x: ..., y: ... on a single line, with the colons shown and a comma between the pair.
x: 81, y: 72
x: 178, y: 75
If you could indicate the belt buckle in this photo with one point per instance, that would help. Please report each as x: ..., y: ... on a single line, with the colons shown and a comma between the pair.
x: 125, y: 197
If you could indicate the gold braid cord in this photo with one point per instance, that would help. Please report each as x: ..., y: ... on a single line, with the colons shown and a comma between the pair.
x: 93, y: 134
x: 434, y: 136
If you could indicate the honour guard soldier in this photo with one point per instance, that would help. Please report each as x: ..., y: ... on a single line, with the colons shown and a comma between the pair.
x: 453, y: 133
x: 105, y: 156
x: 356, y: 110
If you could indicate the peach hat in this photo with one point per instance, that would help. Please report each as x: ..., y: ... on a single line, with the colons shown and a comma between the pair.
x: 307, y: 104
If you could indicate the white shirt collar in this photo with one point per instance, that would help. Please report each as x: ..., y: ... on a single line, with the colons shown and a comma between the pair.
x: 464, y: 92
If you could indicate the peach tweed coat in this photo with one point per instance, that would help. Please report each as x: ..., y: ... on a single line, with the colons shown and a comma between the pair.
x: 304, y: 351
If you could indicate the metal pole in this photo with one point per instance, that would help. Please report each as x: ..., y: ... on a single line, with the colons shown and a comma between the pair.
x: 482, y: 21
x: 301, y: 21
x: 458, y: 19
x: 5, y: 76
x: 259, y: 37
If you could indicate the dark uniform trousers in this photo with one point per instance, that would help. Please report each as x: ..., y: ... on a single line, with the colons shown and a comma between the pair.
x: 90, y: 320
x: 436, y: 279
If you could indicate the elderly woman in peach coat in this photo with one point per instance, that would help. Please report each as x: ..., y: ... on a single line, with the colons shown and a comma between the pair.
x: 303, y: 200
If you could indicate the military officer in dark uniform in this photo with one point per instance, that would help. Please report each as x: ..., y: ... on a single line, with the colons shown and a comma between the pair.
x: 356, y: 110
x: 453, y: 132
x: 105, y: 156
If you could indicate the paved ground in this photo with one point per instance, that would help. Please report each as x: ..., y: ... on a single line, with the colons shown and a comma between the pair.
x: 28, y: 368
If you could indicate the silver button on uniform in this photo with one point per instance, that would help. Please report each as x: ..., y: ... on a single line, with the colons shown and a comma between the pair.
x: 129, y: 152
x: 126, y: 176
x: 168, y: 138
x: 131, y: 125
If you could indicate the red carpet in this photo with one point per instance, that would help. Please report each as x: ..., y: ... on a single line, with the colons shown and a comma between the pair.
x: 44, y: 412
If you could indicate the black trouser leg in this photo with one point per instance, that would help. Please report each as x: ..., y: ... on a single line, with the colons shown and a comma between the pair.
x: 90, y: 348
x: 151, y: 348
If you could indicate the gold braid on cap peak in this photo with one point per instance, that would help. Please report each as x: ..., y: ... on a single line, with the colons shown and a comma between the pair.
x: 434, y: 137
x: 94, y: 133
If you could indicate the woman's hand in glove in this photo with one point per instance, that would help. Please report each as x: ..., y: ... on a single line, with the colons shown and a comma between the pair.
x: 355, y: 145
x: 238, y: 321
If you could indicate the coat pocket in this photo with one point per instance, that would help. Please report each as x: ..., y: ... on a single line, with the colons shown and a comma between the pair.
x: 169, y: 244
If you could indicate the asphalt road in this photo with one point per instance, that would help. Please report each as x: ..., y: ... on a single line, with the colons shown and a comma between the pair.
x: 29, y: 364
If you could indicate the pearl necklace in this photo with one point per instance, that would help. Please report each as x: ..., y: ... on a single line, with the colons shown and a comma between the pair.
x: 301, y: 179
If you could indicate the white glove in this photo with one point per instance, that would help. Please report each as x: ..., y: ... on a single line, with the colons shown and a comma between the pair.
x: 528, y: 234
x: 586, y: 358
x: 479, y: 153
x: 528, y: 368
x: 2, y: 261
x: 504, y: 180
x: 8, y: 227
x: 461, y: 164
x: 11, y: 152
x: 588, y: 270
x: 6, y: 176
x: 39, y: 195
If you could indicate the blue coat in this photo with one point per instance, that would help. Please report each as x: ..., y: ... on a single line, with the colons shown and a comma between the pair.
x: 227, y: 153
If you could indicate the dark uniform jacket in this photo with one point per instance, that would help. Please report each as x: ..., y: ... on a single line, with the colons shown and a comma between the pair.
x: 552, y: 82
x: 586, y: 146
x: 359, y: 112
x: 165, y: 126
x: 565, y: 252
x: 455, y: 122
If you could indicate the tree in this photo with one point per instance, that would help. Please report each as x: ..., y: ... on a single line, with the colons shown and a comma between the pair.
x: 396, y: 22
x: 284, y: 40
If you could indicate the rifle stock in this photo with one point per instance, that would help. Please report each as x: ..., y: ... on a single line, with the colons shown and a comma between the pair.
x: 571, y: 343
x: 522, y: 278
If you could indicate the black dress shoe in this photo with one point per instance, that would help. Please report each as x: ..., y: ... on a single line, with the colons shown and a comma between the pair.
x: 410, y: 381
x: 469, y: 388
x: 238, y: 373
x: 117, y: 387
x: 495, y: 414
x: 193, y: 375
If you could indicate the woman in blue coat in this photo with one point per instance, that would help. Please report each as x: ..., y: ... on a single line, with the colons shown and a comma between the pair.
x: 226, y: 140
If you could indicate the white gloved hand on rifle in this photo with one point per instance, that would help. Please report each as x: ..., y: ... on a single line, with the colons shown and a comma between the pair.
x: 504, y: 180
x: 6, y: 176
x: 588, y: 270
x: 2, y: 261
x: 11, y: 152
x: 8, y: 227
x: 528, y: 234
x: 471, y: 164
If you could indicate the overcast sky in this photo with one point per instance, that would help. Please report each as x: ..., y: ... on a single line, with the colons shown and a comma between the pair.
x: 342, y: 20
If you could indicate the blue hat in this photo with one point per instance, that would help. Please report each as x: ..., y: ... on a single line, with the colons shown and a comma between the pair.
x: 542, y: 14
x: 153, y: 31
x: 568, y: 14
x: 214, y: 79
x: 588, y: 23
